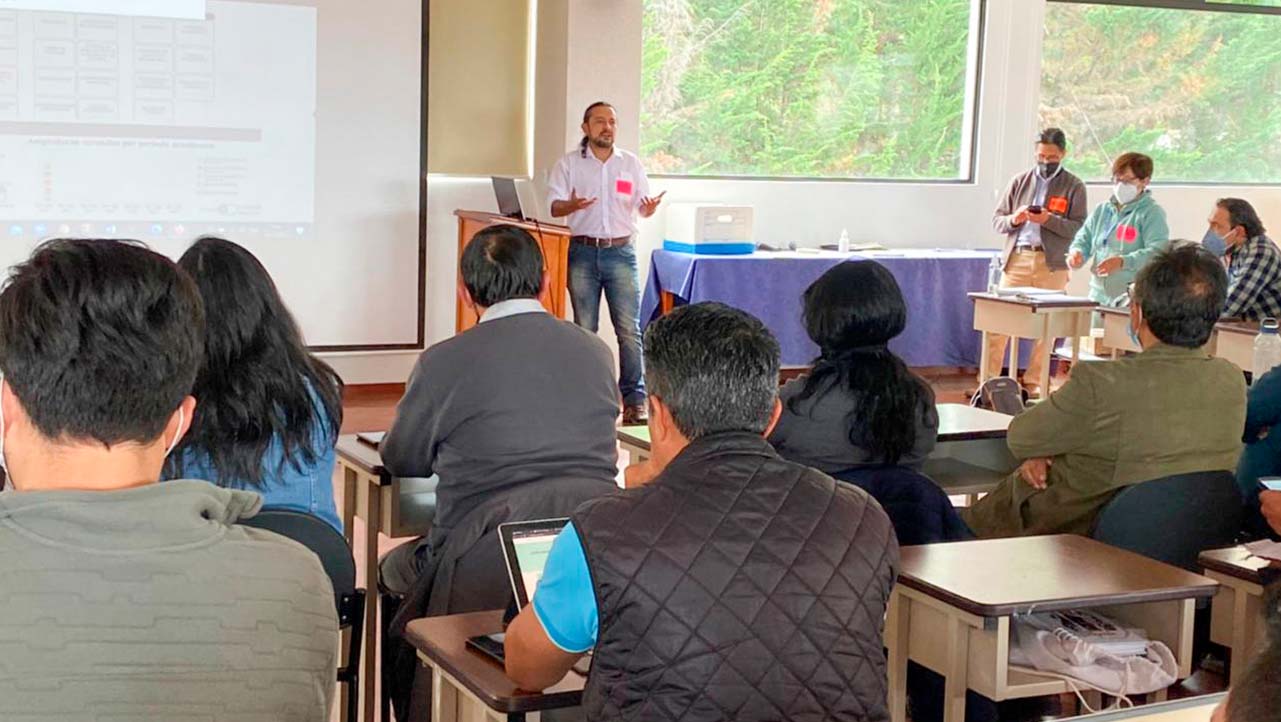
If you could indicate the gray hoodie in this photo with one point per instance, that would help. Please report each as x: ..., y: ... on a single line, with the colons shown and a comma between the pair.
x: 151, y: 603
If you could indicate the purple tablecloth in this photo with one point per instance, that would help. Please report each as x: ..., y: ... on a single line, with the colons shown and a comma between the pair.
x: 940, y: 318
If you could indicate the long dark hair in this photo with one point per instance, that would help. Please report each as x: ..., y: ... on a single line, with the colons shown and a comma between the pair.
x: 258, y: 383
x: 852, y: 312
x: 582, y: 144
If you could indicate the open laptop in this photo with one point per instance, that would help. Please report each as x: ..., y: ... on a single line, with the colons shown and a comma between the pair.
x: 508, y: 198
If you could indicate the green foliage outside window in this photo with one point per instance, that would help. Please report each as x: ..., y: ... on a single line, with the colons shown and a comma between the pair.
x: 1195, y: 90
x: 809, y: 88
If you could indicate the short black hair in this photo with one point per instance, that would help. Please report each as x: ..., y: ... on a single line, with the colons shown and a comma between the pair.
x: 100, y: 339
x: 1053, y: 136
x: 715, y: 367
x: 1241, y: 213
x: 1182, y: 292
x: 501, y: 263
x: 1257, y: 696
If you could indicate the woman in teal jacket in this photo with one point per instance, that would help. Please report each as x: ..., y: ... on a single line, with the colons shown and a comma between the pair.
x: 1121, y: 233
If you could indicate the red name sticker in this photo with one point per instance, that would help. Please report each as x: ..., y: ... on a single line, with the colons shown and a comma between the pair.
x: 1127, y: 234
x: 623, y: 186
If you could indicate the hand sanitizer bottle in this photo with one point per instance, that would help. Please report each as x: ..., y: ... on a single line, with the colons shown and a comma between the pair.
x: 843, y: 245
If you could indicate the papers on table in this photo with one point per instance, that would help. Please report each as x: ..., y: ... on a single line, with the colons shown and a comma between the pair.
x: 1265, y: 549
x: 1027, y: 291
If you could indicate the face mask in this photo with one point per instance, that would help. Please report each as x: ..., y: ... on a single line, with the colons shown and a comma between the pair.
x: 2, y: 464
x: 1125, y: 192
x: 1134, y: 336
x: 177, y: 435
x: 1048, y: 170
x: 1214, y: 243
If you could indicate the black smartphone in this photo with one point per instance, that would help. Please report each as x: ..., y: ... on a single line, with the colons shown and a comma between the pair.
x: 1034, y: 210
x: 490, y: 645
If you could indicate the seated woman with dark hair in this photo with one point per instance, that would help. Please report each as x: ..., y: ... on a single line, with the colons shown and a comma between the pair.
x: 860, y: 405
x: 268, y: 412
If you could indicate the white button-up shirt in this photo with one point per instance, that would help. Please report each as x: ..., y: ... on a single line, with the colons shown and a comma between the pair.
x: 618, y: 185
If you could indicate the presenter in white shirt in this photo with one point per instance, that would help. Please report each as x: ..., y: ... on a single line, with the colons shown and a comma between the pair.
x: 602, y: 189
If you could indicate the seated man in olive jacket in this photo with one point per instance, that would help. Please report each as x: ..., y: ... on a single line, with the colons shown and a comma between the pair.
x: 1171, y: 409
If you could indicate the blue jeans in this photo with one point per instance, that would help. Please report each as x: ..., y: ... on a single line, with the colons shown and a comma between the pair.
x: 612, y: 270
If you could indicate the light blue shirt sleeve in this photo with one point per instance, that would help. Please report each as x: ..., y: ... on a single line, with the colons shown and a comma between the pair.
x: 565, y: 601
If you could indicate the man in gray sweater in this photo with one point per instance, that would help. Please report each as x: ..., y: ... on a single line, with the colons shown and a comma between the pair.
x: 1039, y: 215
x: 519, y: 399
x: 121, y: 598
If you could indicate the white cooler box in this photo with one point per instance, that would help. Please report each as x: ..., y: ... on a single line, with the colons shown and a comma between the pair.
x: 709, y: 229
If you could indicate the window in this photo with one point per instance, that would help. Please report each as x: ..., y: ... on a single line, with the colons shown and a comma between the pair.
x: 809, y: 88
x: 1193, y: 88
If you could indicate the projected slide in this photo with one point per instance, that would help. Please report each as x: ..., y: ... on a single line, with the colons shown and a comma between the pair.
x: 133, y: 124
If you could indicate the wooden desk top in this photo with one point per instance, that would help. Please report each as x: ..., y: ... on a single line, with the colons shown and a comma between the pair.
x: 363, y: 457
x: 443, y: 640
x: 1242, y: 328
x: 540, y: 227
x: 962, y: 422
x: 1000, y: 577
x: 1238, y: 563
x: 1192, y: 709
x: 1114, y: 310
x: 1054, y: 302
x: 957, y: 422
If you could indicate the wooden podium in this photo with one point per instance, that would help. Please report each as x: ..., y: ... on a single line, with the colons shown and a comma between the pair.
x: 554, y: 240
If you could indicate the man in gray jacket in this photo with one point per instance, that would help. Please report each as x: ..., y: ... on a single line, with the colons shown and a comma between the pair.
x: 1040, y: 213
x: 121, y: 597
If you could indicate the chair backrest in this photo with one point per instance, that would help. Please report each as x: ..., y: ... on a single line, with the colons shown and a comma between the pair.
x: 919, y: 510
x: 1001, y: 394
x: 1175, y: 518
x: 318, y: 536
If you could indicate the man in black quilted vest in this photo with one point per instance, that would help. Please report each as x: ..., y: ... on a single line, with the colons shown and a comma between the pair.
x: 725, y: 583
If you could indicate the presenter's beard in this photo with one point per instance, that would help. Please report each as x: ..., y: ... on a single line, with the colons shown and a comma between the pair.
x: 603, y: 142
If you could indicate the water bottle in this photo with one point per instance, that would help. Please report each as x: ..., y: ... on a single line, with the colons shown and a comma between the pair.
x: 1267, y: 348
x: 843, y: 245
x: 994, y: 274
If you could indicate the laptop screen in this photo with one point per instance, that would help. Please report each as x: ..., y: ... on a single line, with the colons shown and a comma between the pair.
x: 507, y: 197
x: 525, y: 549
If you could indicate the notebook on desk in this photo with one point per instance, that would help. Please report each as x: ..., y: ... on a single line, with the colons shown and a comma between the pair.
x: 371, y: 438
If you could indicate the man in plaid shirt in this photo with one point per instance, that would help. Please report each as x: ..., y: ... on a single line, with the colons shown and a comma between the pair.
x: 1253, y: 260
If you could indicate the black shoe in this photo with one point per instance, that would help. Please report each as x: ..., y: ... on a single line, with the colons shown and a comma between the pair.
x: 635, y: 415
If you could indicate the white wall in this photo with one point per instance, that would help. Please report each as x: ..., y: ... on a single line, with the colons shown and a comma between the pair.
x: 590, y: 49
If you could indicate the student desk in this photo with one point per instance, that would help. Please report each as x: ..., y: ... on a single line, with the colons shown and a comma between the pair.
x: 1040, y: 318
x: 1192, y: 709
x: 1231, y: 340
x: 1116, y: 330
x: 1236, y: 616
x: 970, y: 457
x: 392, y: 506
x: 466, y: 686
x: 951, y: 610
x: 1234, y: 341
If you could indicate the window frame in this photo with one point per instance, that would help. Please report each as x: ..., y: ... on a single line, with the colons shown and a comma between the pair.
x: 1202, y: 5
x: 969, y: 141
x: 1194, y: 5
